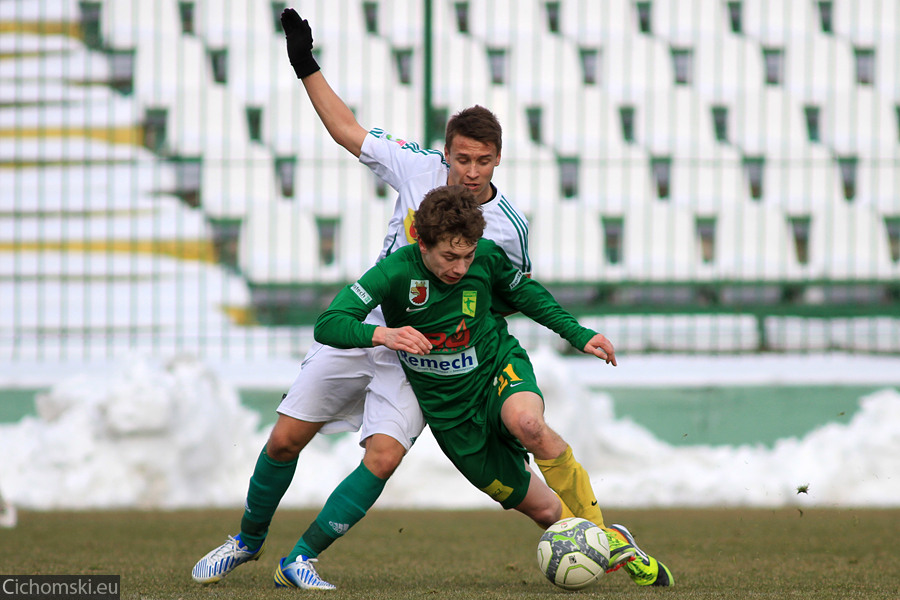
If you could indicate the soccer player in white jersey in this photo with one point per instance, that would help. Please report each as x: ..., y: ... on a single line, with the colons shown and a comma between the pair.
x: 366, y: 389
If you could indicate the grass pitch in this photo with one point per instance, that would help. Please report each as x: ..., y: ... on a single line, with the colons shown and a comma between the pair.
x: 818, y: 554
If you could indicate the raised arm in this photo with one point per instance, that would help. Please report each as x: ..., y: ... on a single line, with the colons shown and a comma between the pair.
x: 335, y: 115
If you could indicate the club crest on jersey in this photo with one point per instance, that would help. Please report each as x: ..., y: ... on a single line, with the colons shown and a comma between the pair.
x: 409, y: 226
x: 468, y: 302
x: 418, y: 291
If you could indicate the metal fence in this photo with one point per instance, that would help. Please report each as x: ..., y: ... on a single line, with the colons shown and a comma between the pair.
x: 699, y: 175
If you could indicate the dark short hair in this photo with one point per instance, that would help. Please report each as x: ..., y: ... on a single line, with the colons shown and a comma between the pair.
x: 477, y: 123
x: 449, y: 212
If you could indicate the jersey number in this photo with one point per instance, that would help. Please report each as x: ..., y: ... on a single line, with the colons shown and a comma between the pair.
x: 508, y: 376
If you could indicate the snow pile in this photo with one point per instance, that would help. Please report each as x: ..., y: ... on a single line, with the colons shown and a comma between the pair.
x: 172, y: 434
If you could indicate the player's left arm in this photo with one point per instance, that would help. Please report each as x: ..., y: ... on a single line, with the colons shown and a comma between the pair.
x: 536, y: 302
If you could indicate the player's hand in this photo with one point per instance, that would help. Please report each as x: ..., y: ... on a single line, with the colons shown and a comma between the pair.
x: 601, y: 347
x: 299, y: 43
x: 404, y: 338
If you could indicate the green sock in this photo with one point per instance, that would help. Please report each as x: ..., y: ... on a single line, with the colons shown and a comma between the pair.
x: 346, y: 505
x: 269, y: 482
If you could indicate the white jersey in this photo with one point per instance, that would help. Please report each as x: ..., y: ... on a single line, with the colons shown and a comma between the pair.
x: 413, y: 172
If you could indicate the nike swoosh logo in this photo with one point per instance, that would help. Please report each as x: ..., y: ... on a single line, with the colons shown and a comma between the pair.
x: 594, y: 503
x: 408, y: 309
x: 512, y: 385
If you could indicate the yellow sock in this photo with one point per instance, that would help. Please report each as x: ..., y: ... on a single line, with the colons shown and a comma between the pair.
x: 567, y: 477
x: 566, y: 511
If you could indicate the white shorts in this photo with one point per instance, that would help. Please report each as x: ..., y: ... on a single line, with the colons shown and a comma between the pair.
x: 357, y: 388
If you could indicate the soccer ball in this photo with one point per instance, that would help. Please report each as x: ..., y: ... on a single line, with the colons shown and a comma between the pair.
x: 573, y: 553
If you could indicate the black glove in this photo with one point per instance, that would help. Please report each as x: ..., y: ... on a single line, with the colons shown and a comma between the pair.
x: 299, y: 43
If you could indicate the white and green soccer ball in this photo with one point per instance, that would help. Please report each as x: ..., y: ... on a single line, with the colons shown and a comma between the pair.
x: 573, y: 553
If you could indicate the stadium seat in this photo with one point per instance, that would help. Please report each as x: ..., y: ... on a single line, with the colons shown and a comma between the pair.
x: 769, y: 122
x: 144, y: 219
x: 545, y: 71
x: 234, y: 179
x: 220, y: 23
x: 727, y: 67
x: 866, y: 22
x: 633, y: 65
x: 848, y: 241
x: 503, y: 22
x: 683, y: 22
x: 451, y: 50
x: 754, y: 243
x: 133, y: 24
x: 205, y: 120
x: 30, y: 11
x: 73, y: 65
x: 674, y: 121
x: 566, y: 243
x: 53, y: 149
x: 593, y: 22
x: 278, y: 244
x: 114, y: 303
x: 878, y: 179
x: 401, y: 22
x: 88, y: 116
x: 157, y: 83
x: 335, y: 22
x: 258, y: 67
x: 859, y: 121
x: 528, y: 175
x: 86, y: 188
x: 661, y: 243
x: 776, y: 22
x: 796, y: 180
x: 816, y: 65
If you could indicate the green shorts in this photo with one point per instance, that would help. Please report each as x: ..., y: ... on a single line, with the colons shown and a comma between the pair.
x: 483, y: 449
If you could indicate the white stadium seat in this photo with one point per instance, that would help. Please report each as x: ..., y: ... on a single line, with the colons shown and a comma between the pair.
x: 131, y: 23
x: 278, y: 244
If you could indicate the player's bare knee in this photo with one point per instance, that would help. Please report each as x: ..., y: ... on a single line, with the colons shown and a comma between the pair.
x: 382, y: 464
x: 280, y: 448
x: 289, y: 437
x: 383, y: 455
x: 530, y: 428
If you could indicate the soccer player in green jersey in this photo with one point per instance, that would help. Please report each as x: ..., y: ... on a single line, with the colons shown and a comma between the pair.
x: 473, y: 380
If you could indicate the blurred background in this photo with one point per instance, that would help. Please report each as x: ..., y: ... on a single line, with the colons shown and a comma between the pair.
x: 713, y: 184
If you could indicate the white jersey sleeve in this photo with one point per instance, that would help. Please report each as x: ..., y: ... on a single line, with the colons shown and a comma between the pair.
x: 413, y: 172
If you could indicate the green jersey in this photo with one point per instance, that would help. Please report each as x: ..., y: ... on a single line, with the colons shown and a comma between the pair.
x: 469, y: 343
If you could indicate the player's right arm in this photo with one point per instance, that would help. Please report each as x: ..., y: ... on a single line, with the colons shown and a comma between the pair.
x: 341, y: 326
x: 334, y: 113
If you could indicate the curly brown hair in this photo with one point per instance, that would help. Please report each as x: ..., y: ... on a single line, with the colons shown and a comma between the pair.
x: 449, y: 212
x: 477, y: 123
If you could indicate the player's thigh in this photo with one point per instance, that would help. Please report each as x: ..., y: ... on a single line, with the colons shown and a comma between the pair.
x: 391, y: 407
x: 331, y: 386
x: 491, y: 461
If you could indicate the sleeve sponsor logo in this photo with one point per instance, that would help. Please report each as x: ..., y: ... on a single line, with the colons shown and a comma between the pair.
x: 361, y: 293
x: 441, y: 364
x: 516, y: 280
x: 397, y: 141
